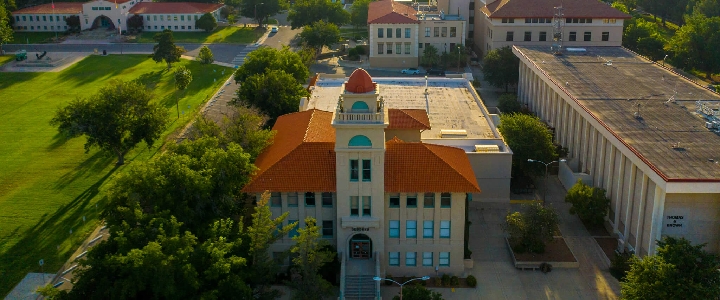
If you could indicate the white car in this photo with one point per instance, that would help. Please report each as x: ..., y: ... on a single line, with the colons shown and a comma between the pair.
x: 411, y: 71
x: 274, y: 29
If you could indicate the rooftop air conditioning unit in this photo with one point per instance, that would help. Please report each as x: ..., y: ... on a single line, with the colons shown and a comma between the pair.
x: 487, y: 148
x: 453, y: 133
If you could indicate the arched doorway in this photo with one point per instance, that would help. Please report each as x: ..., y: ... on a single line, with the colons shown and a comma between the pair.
x: 360, y: 247
x: 103, y: 22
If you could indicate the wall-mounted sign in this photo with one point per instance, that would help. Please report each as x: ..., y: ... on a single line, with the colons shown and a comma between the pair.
x: 674, y: 221
x: 357, y: 229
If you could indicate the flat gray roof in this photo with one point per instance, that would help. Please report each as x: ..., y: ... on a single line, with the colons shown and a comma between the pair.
x: 610, y: 82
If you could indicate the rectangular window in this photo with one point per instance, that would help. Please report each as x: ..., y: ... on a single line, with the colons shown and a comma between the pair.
x: 182, y: 27
x: 410, y: 229
x: 389, y: 48
x: 366, y: 205
x: 354, y: 206
x: 427, y: 31
x: 398, y: 32
x: 309, y: 199
x: 389, y: 32
x: 445, y: 229
x: 508, y: 20
x: 407, y: 33
x: 443, y: 32
x: 366, y: 170
x: 292, y: 198
x: 436, y: 31
x: 605, y: 36
x: 176, y: 27
x: 327, y: 229
x: 380, y: 48
x: 587, y: 36
x: 394, y: 258
x: 453, y: 31
x: 445, y: 200
x: 528, y: 20
x: 23, y: 17
x: 64, y: 18
x: 428, y: 229
x: 394, y: 229
x: 293, y: 232
x: 419, y: 45
x: 407, y: 48
x: 543, y: 36
x: 148, y: 18
x: 108, y: 8
x: 471, y: 19
x: 175, y: 18
x: 162, y: 26
x: 380, y: 32
x: 427, y: 259
x: 411, y: 200
x: 162, y: 18
x: 395, y: 200
x: 327, y: 199
x: 275, y: 200
x: 44, y: 19
x: 182, y: 18
x: 444, y: 259
x: 528, y: 36
x: 354, y: 171
x: 573, y: 36
x: 509, y: 36
x: 398, y: 48
x: 94, y: 8
x: 44, y: 27
x: 411, y: 259
x: 429, y: 201
x: 196, y: 17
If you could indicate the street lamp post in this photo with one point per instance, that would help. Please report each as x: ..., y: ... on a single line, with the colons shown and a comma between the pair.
x: 546, y: 173
x: 401, y: 284
x: 256, y: 4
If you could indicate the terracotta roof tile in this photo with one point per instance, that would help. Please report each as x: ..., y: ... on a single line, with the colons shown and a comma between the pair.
x: 421, y: 167
x: 390, y: 12
x: 408, y: 119
x: 174, y: 8
x: 545, y: 9
x: 60, y: 8
x: 359, y: 82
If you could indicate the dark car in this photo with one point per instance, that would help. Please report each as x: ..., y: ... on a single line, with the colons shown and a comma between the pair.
x: 437, y: 72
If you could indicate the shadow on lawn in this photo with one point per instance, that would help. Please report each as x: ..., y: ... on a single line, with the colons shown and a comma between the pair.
x: 96, y: 68
x: 43, y: 240
x: 8, y: 79
x: 92, y: 165
x: 58, y: 140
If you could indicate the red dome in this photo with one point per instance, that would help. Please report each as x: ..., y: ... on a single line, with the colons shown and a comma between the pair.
x: 359, y: 82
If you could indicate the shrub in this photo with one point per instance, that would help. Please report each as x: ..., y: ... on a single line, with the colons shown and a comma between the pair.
x: 353, y: 54
x: 360, y: 50
x: 438, y: 281
x: 454, y: 281
x: 545, y: 267
x: 620, y: 265
x: 388, y: 282
x: 508, y: 103
x: 471, y: 281
x: 445, y: 280
x: 589, y: 203
x: 530, y: 231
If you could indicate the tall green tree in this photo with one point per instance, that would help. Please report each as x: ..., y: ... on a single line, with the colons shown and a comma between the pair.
x: 183, y: 77
x: 306, y: 12
x: 274, y: 93
x: 261, y: 10
x: 589, y: 203
x: 531, y: 229
x: 205, y: 56
x: 309, y: 258
x: 528, y: 137
x: 430, y: 57
x: 501, y: 68
x: 165, y: 49
x: 242, y: 125
x: 6, y: 32
x: 507, y: 103
x: 135, y: 23
x: 115, y: 119
x: 73, y: 23
x: 696, y: 44
x: 320, y: 34
x: 359, y: 13
x: 206, y: 22
x: 709, y: 8
x: 266, y: 59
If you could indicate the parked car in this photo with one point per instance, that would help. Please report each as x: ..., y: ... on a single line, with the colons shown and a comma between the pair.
x: 274, y: 29
x: 411, y: 71
x: 437, y: 72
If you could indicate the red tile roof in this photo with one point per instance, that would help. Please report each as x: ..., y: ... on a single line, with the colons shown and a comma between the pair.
x: 408, y: 119
x: 545, y: 9
x: 390, y: 12
x: 60, y: 8
x: 174, y: 8
x: 359, y: 82
x: 421, y: 167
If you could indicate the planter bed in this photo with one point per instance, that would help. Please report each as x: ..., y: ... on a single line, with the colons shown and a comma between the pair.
x: 557, y: 254
x: 608, y: 245
x: 431, y: 282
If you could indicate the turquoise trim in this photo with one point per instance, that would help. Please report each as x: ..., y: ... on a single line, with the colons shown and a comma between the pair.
x: 360, y: 141
x: 360, y: 105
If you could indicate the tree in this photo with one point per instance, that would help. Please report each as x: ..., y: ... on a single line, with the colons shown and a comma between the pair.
x: 135, y: 23
x: 531, y: 230
x: 508, y: 103
x: 695, y: 44
x: 430, y: 57
x: 309, y: 259
x: 231, y: 19
x: 709, y: 8
x: 115, y: 119
x: 265, y: 59
x: 274, y: 93
x: 242, y: 126
x: 501, y: 67
x: 261, y: 10
x: 359, y: 13
x: 589, y: 203
x: 306, y: 12
x: 183, y: 77
x: 73, y: 23
x: 652, y: 47
x: 528, y: 137
x: 320, y: 34
x: 205, y: 56
x: 226, y: 11
x: 418, y: 292
x: 206, y: 22
x: 166, y: 49
x: 678, y: 270
x: 6, y: 32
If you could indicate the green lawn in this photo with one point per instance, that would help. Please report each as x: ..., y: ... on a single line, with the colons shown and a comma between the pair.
x: 229, y: 34
x: 666, y: 32
x: 6, y: 58
x: 352, y: 33
x: 48, y: 183
x: 34, y: 37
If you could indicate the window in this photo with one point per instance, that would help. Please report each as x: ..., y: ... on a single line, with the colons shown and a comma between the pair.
x: 64, y: 18
x: 389, y: 32
x: 543, y: 36
x: 23, y: 17
x: 176, y: 27
x: 275, y: 200
x: 389, y: 48
x: 411, y: 229
x: 196, y: 17
x: 395, y: 200
x: 436, y: 31
x: 156, y: 27
x: 310, y: 199
x: 407, y: 48
x: 161, y: 18
x: 444, y: 259
x: 380, y: 48
x: 429, y: 201
x: 94, y: 8
x: 149, y: 27
x: 366, y: 205
x: 419, y: 45
x: 398, y: 48
x: 162, y: 27
x: 453, y: 31
x: 587, y: 36
x: 327, y: 199
x: 394, y: 229
x: 398, y: 32
x: 605, y: 36
x: 528, y: 36
x: 182, y: 27
x: 107, y: 8
x: 428, y: 229
x: 445, y: 200
x: 32, y: 27
x: 471, y: 19
x: 293, y: 232
x: 443, y: 32
x: 354, y: 206
x: 380, y: 32
x: 410, y: 258
x: 44, y: 27
x: 175, y: 18
x: 327, y: 229
x: 292, y: 199
x: 508, y: 20
x: 427, y: 31
x: 445, y: 229
x: 394, y: 258
x: 354, y: 172
x: 427, y: 259
x: 182, y: 18
x: 44, y: 19
x: 411, y: 200
x: 148, y: 18
x: 407, y: 33
x: 168, y: 17
x: 509, y: 36
x: 573, y: 36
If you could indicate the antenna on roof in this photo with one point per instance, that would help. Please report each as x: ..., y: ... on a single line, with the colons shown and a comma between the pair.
x: 558, y: 26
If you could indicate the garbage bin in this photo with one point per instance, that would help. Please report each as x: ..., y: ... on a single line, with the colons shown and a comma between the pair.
x: 104, y: 52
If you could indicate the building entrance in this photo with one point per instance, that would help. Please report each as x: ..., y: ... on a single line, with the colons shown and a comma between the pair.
x: 360, y: 247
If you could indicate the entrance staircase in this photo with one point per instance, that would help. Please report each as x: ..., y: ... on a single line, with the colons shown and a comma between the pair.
x: 359, y: 287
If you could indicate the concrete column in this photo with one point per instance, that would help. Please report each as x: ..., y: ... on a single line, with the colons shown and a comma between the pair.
x: 577, y: 137
x: 592, y: 151
x: 618, y: 193
x: 565, y: 119
x: 610, y: 170
x: 657, y: 219
x: 641, y: 211
x: 521, y: 84
x: 629, y: 207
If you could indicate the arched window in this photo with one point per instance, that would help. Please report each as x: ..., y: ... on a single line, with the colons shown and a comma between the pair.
x: 360, y: 141
x: 360, y: 106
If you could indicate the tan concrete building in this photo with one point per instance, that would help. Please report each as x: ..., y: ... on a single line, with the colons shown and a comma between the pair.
x: 586, y: 23
x: 636, y: 130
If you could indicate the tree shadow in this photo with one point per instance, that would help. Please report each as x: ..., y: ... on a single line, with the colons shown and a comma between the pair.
x: 94, y: 68
x: 92, y: 165
x: 58, y: 140
x: 151, y: 79
x: 8, y: 79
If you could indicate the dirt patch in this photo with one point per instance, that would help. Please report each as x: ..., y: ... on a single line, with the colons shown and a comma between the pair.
x: 608, y: 245
x: 555, y: 251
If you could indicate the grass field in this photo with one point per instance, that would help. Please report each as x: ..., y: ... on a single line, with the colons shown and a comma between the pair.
x: 33, y: 37
x: 48, y: 183
x: 5, y: 58
x: 229, y: 34
x: 352, y: 33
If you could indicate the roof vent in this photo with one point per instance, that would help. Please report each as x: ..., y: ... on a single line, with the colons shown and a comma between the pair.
x: 453, y: 133
x: 487, y: 148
